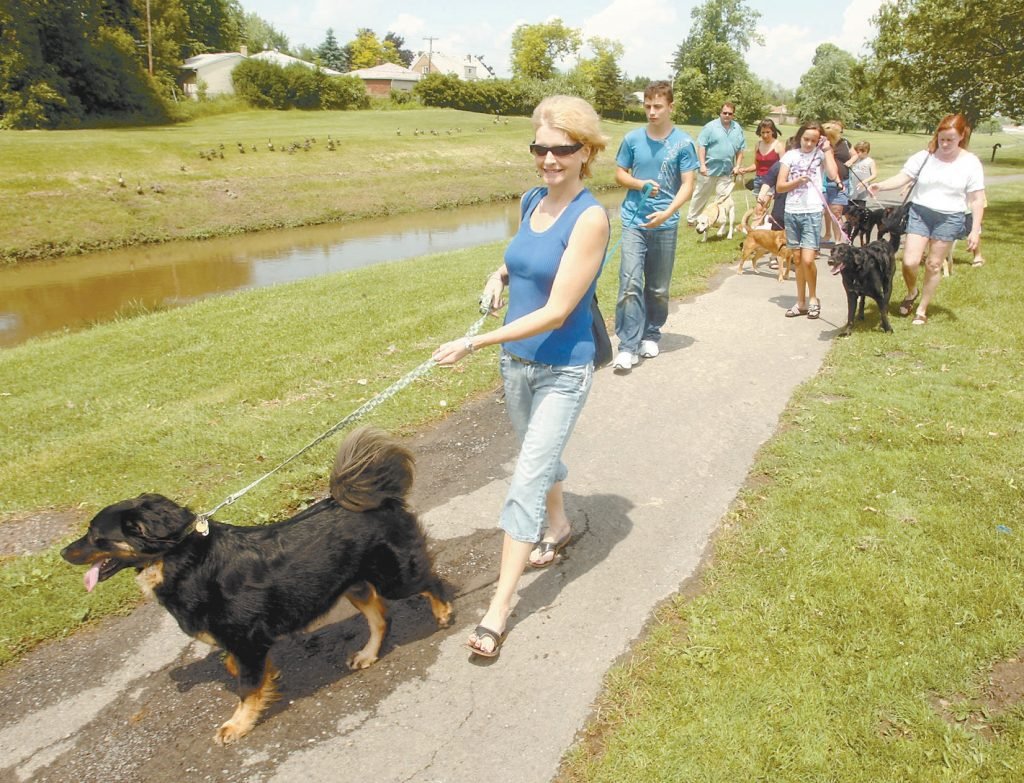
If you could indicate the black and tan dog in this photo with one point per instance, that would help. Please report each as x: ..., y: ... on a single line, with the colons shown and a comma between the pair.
x: 243, y: 588
x: 862, y: 221
x: 867, y: 271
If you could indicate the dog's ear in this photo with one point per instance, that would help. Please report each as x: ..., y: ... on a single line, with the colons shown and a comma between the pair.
x: 154, y: 518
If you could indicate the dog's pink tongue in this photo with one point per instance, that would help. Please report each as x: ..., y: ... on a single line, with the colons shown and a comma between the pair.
x: 92, y: 576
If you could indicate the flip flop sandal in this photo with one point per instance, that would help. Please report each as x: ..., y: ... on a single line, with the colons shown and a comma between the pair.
x: 795, y: 311
x: 481, y: 632
x: 814, y: 311
x: 550, y: 546
x: 907, y: 305
x: 919, y: 320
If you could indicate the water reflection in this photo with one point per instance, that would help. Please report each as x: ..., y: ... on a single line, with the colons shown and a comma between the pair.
x: 68, y: 294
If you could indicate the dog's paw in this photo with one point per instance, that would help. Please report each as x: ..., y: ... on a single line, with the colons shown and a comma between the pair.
x: 445, y: 616
x: 232, y: 731
x: 361, y: 660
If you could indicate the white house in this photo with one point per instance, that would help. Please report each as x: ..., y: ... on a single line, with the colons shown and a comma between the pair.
x: 469, y: 68
x: 212, y: 72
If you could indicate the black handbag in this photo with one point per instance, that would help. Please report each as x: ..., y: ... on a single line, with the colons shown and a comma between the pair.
x: 602, y: 342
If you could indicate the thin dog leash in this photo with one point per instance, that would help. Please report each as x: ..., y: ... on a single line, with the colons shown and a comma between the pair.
x: 201, y: 524
x: 202, y: 521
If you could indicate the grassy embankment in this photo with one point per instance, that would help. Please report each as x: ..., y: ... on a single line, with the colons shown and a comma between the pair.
x: 61, y: 191
x: 863, y: 575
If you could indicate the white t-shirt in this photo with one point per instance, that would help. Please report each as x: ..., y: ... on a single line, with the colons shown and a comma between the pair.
x: 944, y: 186
x: 806, y: 198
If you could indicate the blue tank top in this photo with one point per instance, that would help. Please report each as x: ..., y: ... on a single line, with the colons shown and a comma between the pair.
x: 532, y: 259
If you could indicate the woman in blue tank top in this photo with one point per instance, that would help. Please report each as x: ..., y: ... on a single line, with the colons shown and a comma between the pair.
x: 551, y: 268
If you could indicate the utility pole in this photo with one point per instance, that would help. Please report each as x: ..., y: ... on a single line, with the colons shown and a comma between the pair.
x: 430, y: 54
x: 149, y: 39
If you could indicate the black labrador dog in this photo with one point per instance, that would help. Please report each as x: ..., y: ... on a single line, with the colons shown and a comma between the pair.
x: 867, y: 271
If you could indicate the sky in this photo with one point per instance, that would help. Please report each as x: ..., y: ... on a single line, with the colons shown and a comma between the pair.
x: 650, y: 30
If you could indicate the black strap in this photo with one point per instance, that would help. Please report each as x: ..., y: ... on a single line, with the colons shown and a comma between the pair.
x: 910, y: 192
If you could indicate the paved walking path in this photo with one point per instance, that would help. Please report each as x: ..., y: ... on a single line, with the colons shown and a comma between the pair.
x: 656, y: 460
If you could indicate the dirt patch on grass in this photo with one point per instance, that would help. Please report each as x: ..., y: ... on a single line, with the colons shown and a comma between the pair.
x: 1003, y: 691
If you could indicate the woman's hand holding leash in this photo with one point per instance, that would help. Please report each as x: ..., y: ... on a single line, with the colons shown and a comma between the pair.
x: 451, y: 352
x: 491, y: 299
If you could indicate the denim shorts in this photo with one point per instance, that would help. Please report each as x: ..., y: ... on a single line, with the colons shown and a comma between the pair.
x: 543, y: 402
x: 942, y: 226
x: 803, y: 229
x: 833, y: 195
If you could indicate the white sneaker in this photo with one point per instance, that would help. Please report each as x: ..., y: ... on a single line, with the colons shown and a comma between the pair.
x: 648, y: 349
x: 625, y: 361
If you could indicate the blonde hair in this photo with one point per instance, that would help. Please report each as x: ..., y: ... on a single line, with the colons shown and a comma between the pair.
x: 577, y: 119
x: 834, y: 130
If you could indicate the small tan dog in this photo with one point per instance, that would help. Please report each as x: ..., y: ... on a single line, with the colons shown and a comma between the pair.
x: 761, y: 242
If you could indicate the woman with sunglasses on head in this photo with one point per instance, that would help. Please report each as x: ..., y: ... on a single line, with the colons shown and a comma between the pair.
x: 767, y: 152
x: 551, y: 269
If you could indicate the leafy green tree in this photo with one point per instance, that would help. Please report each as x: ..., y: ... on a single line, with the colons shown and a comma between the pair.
x: 721, y: 33
x: 330, y: 54
x: 405, y: 56
x: 260, y: 35
x: 536, y: 47
x: 827, y: 88
x: 61, y: 63
x: 604, y: 76
x: 966, y: 56
x: 366, y: 50
x: 212, y: 26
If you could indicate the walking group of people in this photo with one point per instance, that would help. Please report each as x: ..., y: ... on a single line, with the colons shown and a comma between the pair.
x: 552, y: 264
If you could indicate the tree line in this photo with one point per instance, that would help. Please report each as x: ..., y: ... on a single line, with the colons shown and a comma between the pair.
x: 63, y: 63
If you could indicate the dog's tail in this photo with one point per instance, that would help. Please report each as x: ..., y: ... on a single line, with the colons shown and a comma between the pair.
x: 745, y: 221
x: 371, y: 468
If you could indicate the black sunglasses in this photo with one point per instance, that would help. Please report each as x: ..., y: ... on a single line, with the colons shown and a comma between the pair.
x: 559, y: 150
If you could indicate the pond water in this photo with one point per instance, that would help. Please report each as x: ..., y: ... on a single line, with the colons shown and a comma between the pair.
x: 43, y: 297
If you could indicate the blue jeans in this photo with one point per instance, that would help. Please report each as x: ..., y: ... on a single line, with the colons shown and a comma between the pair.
x: 644, y: 277
x: 543, y: 403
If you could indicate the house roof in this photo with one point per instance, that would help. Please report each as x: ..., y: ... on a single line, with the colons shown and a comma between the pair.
x: 284, y: 60
x: 202, y: 60
x: 386, y: 71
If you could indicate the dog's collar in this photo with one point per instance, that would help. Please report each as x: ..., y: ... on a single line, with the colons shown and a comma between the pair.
x: 201, y: 525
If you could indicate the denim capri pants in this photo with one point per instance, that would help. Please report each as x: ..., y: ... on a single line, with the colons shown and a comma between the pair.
x: 543, y: 403
x: 803, y: 229
x: 941, y: 226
